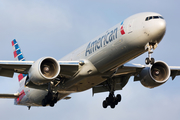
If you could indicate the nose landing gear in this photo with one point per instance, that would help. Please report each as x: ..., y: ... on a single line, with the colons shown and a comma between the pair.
x: 150, y: 47
x: 149, y: 61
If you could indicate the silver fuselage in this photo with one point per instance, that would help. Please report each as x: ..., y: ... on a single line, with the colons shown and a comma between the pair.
x: 108, y: 51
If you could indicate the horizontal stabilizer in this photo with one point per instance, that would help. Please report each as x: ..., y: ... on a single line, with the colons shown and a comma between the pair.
x: 15, y: 95
x: 67, y: 98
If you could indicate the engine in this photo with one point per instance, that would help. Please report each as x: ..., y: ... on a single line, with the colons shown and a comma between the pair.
x: 155, y: 75
x: 43, y: 71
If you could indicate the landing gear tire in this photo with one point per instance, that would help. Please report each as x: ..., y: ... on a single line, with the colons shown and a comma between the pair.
x: 105, y: 104
x: 107, y: 100
x: 50, y: 99
x: 118, y: 97
x: 111, y: 100
x: 152, y: 61
x: 113, y: 105
x: 43, y: 103
x: 116, y: 102
x: 52, y: 104
x: 148, y: 61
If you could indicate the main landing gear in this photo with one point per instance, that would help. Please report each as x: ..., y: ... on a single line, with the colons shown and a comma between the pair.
x: 150, y: 47
x: 51, y: 98
x: 111, y: 100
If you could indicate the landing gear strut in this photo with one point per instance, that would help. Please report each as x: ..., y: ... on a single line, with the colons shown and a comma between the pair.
x: 111, y: 100
x: 150, y: 47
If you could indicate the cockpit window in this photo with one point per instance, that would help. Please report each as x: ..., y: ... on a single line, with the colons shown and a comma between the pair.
x: 153, y: 17
x: 161, y: 17
x: 150, y: 18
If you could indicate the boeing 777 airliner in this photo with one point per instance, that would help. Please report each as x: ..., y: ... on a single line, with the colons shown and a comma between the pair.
x: 101, y: 64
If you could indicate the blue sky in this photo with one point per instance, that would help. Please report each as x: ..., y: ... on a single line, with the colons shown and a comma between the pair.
x: 57, y: 27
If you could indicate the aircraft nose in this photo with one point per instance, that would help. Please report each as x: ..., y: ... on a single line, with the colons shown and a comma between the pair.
x: 161, y: 26
x: 159, y: 30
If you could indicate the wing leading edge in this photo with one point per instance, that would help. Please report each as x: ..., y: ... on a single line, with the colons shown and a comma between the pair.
x: 123, y: 73
x: 8, y: 68
x: 135, y: 69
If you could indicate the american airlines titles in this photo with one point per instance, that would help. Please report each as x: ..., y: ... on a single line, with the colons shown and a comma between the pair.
x: 102, y: 41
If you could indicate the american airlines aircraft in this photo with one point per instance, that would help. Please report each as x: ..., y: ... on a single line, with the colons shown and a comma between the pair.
x: 101, y: 64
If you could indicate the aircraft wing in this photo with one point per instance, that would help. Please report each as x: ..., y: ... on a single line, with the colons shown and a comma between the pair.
x: 175, y: 70
x: 124, y: 72
x: 134, y: 69
x: 8, y: 68
x: 129, y: 68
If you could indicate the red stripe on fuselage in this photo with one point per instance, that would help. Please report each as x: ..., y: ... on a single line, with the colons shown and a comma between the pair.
x: 122, y: 30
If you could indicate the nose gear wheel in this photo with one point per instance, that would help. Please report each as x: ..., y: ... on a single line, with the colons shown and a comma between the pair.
x: 149, y: 61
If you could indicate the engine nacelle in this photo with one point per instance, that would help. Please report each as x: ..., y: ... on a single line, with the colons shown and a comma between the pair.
x: 155, y: 75
x: 43, y: 71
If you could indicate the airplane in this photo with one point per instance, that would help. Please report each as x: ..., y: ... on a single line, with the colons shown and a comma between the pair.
x: 101, y: 64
